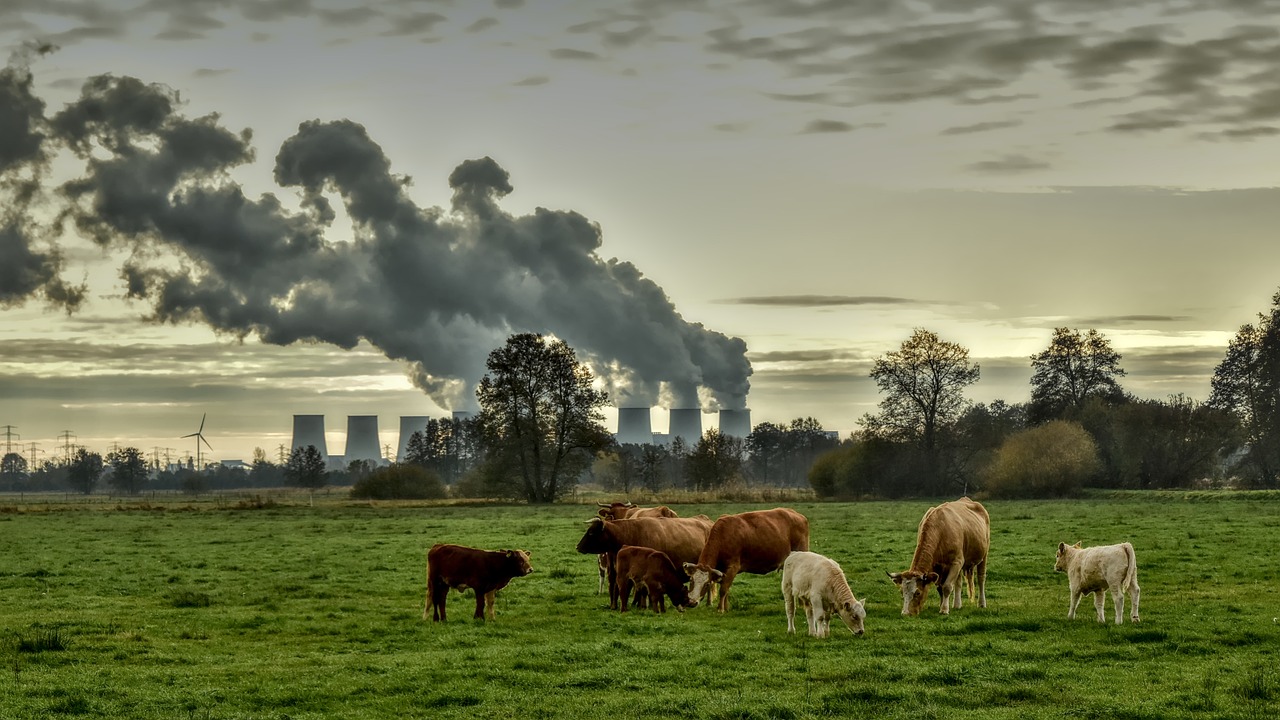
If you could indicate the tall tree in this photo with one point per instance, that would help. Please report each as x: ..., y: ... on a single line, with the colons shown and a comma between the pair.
x: 715, y: 461
x: 128, y: 470
x: 540, y: 416
x: 305, y: 468
x: 84, y: 470
x: 1074, y: 368
x: 1247, y: 384
x: 766, y: 446
x: 13, y: 471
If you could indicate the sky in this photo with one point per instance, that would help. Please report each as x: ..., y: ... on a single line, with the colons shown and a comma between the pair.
x: 243, y: 210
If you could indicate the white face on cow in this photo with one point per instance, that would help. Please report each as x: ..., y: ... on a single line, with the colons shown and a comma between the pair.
x: 853, y: 615
x: 700, y: 579
x: 1064, y: 555
x: 915, y: 589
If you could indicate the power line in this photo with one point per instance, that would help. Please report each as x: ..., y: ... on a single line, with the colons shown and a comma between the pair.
x: 9, y: 436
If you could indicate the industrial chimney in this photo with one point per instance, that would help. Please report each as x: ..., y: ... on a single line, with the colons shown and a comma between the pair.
x: 735, y: 423
x: 686, y: 423
x: 362, y: 439
x: 309, y: 430
x: 409, y: 424
x: 634, y: 427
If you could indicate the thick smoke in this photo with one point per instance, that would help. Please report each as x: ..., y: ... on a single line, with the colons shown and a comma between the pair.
x: 436, y: 288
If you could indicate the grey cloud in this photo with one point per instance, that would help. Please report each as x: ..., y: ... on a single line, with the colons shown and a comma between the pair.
x: 827, y: 126
x: 1009, y: 164
x: 812, y: 356
x: 572, y: 54
x: 1245, y: 133
x: 482, y: 24
x: 533, y: 81
x: 731, y: 127
x: 821, y: 300
x: 415, y: 24
x: 508, y: 4
x: 210, y: 72
x: 981, y: 127
x: 1118, y: 320
x: 348, y: 17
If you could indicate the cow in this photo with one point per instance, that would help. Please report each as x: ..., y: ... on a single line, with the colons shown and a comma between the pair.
x: 651, y: 573
x: 621, y: 511
x: 818, y: 584
x: 951, y: 549
x: 1097, y: 570
x: 680, y: 538
x: 756, y: 542
x: 460, y: 568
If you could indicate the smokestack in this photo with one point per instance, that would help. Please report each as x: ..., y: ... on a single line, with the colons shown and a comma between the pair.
x: 362, y: 439
x: 686, y: 423
x: 309, y: 430
x: 634, y: 427
x: 409, y: 424
x: 735, y: 423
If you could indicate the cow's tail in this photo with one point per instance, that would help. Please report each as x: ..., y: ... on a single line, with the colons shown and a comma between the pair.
x: 1131, y: 567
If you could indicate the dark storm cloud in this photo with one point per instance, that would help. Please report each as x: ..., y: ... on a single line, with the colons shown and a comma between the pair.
x: 436, y: 288
x: 1009, y: 164
x: 821, y: 300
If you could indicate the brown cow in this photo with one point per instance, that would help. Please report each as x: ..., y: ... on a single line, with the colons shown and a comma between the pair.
x: 652, y: 573
x: 622, y: 511
x: 680, y: 538
x: 460, y: 568
x: 756, y: 542
x: 951, y: 548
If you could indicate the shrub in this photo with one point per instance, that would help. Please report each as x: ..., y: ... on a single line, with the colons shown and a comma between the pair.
x: 1052, y: 460
x: 399, y: 482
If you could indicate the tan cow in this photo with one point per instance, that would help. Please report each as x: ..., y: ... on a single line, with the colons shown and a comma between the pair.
x: 622, y: 511
x: 1097, y: 570
x: 951, y: 548
x: 680, y: 538
x: 756, y: 542
x: 653, y: 575
x: 818, y: 584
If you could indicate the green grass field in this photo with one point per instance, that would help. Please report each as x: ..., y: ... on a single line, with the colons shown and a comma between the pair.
x: 316, y: 612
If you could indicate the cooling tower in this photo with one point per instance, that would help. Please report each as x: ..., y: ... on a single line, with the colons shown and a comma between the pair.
x: 409, y: 424
x: 735, y: 423
x: 309, y: 430
x: 634, y: 427
x: 686, y: 423
x: 362, y: 439
x: 460, y: 415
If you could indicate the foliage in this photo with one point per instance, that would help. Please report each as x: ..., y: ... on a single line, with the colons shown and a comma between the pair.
x: 1051, y: 460
x: 448, y: 446
x: 1074, y: 368
x: 1247, y: 384
x: 619, y: 469
x: 128, y: 470
x: 979, y: 433
x: 868, y: 466
x: 263, y: 472
x: 13, y: 472
x: 1172, y: 444
x: 782, y: 455
x: 399, y: 482
x: 84, y: 470
x: 540, y: 416
x: 714, y: 462
x: 305, y: 468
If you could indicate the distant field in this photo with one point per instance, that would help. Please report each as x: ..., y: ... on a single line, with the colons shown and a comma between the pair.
x: 197, y: 611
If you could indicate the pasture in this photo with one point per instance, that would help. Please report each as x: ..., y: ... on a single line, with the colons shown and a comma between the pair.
x: 298, y: 612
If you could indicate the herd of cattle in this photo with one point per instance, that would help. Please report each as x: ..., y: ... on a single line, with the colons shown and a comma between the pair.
x: 649, y: 555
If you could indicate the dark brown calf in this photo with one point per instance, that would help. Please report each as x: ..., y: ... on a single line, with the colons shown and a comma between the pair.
x: 460, y: 568
x: 652, y: 572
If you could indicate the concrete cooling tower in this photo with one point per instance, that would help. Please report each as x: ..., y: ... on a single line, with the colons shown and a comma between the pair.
x: 362, y: 439
x: 409, y: 424
x: 634, y: 427
x: 460, y: 415
x: 309, y: 430
x: 735, y: 423
x: 686, y: 423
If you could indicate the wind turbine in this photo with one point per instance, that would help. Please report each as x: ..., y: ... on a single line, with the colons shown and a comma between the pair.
x: 198, y: 435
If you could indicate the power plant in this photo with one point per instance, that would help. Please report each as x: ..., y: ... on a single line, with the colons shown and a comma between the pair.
x: 634, y: 426
x: 686, y: 423
x: 309, y: 430
x: 362, y: 439
x: 735, y: 423
x: 409, y: 424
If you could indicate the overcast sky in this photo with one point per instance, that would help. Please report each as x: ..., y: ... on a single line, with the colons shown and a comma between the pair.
x: 697, y: 195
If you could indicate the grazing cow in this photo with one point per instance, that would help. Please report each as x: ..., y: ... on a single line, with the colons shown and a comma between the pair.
x: 622, y: 511
x: 756, y: 542
x: 460, y: 568
x: 1097, y: 570
x: 951, y: 549
x: 680, y: 538
x: 651, y: 573
x: 818, y: 584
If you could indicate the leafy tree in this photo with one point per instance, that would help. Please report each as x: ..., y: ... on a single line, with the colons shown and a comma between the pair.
x: 541, y: 416
x: 868, y: 466
x: 924, y: 384
x: 715, y: 461
x: 1074, y: 368
x: 305, y: 468
x: 979, y: 432
x: 1172, y: 444
x: 13, y: 471
x: 652, y: 468
x: 263, y: 472
x: 128, y: 470
x: 1247, y: 384
x: 446, y: 446
x: 84, y: 470
x: 1051, y: 460
x: 620, y: 469
x: 766, y: 447
x: 399, y: 482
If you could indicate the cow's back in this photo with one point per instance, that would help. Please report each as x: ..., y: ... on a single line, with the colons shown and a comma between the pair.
x: 758, y: 541
x: 682, y: 539
x: 957, y: 529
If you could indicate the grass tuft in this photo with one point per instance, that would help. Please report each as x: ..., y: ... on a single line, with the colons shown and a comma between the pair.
x: 189, y: 599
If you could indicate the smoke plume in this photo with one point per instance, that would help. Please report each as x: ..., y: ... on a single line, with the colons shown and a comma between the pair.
x: 436, y: 288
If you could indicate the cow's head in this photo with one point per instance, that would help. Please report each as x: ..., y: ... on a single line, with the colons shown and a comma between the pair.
x: 615, y: 511
x: 1064, y: 556
x: 596, y: 540
x: 700, y: 577
x: 915, y: 589
x: 518, y: 562
x: 853, y: 614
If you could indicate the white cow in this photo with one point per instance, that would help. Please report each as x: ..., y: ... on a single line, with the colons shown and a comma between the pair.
x: 1097, y: 570
x: 818, y: 584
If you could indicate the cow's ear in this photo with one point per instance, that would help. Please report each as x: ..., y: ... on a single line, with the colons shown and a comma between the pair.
x: 1062, y: 546
x: 1077, y: 545
x: 896, y: 577
x: 930, y: 578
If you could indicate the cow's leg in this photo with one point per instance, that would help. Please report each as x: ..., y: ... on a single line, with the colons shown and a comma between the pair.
x: 1134, y: 593
x: 725, y: 583
x: 602, y: 562
x: 819, y: 614
x: 439, y: 594
x: 489, y: 599
x: 1076, y: 596
x: 1099, y: 602
x: 613, y: 578
x: 479, y: 605
x: 1117, y: 599
x: 980, y: 578
x: 789, y: 606
x: 624, y: 591
x: 657, y: 598
x: 947, y: 588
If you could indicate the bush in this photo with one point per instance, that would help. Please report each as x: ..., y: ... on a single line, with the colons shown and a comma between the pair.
x: 399, y: 482
x: 1052, y: 460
